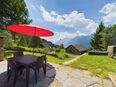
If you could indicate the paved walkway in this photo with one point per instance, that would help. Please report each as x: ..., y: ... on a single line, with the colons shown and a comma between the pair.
x: 74, y: 59
x: 57, y: 76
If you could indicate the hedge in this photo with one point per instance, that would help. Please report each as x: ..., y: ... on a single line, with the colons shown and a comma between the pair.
x: 98, y: 53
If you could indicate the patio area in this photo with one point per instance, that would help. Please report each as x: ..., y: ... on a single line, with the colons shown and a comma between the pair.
x: 57, y: 76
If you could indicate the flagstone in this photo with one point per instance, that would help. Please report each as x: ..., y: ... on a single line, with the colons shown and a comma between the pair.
x: 95, y: 85
x: 71, y: 82
x: 56, y: 76
x: 61, y: 76
x: 107, y: 83
x: 87, y: 81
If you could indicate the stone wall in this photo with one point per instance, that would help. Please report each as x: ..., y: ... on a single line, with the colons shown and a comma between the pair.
x: 111, y: 50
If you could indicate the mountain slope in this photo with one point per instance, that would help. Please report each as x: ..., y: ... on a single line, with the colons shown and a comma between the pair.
x: 83, y: 40
x: 62, y: 41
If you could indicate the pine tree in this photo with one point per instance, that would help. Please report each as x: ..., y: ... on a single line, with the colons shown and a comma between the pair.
x: 96, y: 42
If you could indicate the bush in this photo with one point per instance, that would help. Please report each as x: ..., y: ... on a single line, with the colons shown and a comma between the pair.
x: 57, y: 50
x: 15, y: 48
x: 53, y: 54
x: 98, y: 53
x: 62, y: 54
x: 66, y: 56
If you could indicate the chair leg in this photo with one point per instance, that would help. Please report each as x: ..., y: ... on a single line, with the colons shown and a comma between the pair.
x: 9, y: 75
x: 8, y: 69
x: 15, y: 79
x: 38, y: 69
x: 35, y: 75
x: 44, y: 69
x: 21, y: 72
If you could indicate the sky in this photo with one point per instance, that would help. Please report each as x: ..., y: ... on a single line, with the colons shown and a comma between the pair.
x: 71, y: 18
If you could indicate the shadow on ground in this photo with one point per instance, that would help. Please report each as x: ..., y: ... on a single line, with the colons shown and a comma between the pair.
x: 43, y: 81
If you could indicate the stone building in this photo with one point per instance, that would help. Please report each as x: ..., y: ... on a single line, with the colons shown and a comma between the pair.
x: 76, y: 49
x: 111, y: 50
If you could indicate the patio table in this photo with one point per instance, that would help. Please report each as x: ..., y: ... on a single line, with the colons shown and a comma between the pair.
x: 25, y: 60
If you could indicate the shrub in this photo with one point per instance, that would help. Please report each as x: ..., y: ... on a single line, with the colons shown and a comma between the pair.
x: 66, y: 56
x: 97, y: 53
x: 53, y: 54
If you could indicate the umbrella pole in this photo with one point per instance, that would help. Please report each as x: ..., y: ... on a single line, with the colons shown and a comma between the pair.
x: 33, y: 51
x: 33, y: 38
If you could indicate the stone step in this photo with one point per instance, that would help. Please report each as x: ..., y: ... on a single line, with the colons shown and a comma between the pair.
x: 113, y: 79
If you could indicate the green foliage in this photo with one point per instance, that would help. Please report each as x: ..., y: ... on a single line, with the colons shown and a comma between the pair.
x: 98, y: 53
x: 103, y: 37
x: 97, y: 65
x: 13, y: 12
x: 36, y: 42
x: 109, y: 36
x: 61, y: 46
x: 96, y: 40
x: 8, y: 41
x: 53, y: 59
x: 62, y: 54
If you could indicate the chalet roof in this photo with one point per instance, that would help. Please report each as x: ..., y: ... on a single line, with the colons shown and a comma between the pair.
x: 80, y: 47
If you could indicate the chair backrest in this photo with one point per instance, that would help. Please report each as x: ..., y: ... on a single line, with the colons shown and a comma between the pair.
x: 12, y: 65
x: 18, y: 53
x: 41, y: 61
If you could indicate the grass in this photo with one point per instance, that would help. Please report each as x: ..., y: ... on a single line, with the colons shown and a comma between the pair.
x: 8, y: 54
x: 98, y: 65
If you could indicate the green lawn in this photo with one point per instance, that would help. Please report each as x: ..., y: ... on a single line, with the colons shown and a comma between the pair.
x: 52, y: 59
x: 97, y: 65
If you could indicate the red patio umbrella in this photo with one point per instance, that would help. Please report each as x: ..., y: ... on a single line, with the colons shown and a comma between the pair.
x: 30, y: 30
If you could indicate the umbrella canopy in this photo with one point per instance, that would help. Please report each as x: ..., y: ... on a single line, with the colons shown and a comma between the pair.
x: 30, y: 30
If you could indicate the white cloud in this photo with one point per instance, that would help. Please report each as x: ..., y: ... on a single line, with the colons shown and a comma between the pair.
x: 109, y: 11
x: 61, y: 35
x: 74, y: 20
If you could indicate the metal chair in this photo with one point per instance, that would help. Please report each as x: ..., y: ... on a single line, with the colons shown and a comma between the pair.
x: 40, y: 63
x: 15, y: 54
x: 18, y: 53
x: 13, y: 68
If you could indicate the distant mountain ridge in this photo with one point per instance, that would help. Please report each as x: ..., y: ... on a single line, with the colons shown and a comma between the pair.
x: 83, y: 40
x: 48, y: 44
x: 62, y: 41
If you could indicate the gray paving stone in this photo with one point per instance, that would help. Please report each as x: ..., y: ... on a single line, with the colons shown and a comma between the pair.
x: 67, y: 76
x: 95, y: 85
x: 61, y: 76
x: 51, y: 73
x: 107, y: 83
x: 71, y: 82
x: 88, y: 81
x: 76, y: 74
x: 97, y: 79
x: 56, y: 83
x: 44, y: 83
